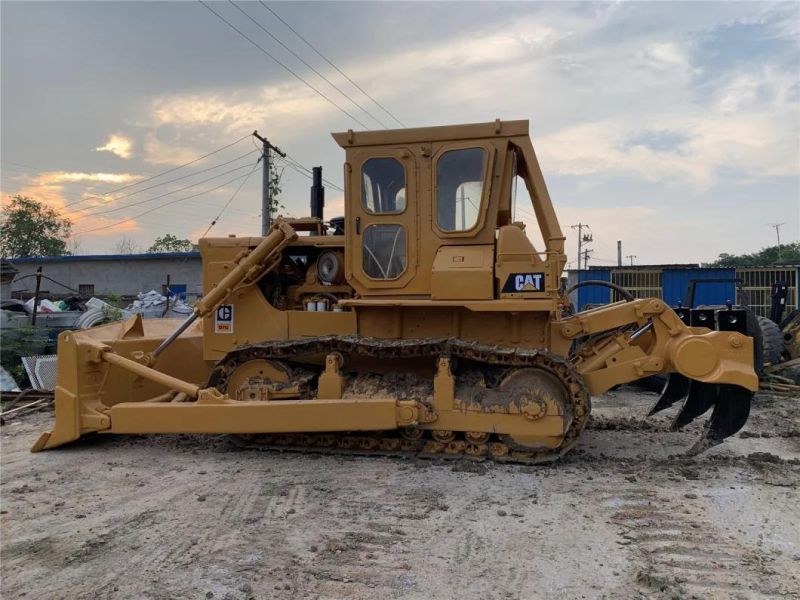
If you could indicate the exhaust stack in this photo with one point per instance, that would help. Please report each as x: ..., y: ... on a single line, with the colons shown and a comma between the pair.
x: 317, y: 194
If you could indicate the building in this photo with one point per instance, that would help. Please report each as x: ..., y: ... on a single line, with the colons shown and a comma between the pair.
x: 123, y: 275
x: 7, y: 274
x: 673, y: 284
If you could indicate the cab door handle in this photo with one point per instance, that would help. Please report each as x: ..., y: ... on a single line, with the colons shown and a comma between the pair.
x: 358, y: 225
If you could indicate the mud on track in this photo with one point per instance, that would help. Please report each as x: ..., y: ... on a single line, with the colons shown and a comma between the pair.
x: 623, y: 516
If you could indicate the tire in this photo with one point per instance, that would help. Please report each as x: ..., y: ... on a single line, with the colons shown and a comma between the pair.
x: 771, y: 341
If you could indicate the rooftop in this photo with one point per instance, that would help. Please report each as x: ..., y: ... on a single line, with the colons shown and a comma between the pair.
x: 100, y: 257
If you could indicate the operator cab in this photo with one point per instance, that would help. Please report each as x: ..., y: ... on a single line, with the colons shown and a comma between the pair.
x: 429, y: 210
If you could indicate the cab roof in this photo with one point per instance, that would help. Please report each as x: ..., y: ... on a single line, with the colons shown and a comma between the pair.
x: 445, y: 133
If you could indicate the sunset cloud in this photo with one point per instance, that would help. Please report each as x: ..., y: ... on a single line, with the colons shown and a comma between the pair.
x: 118, y: 144
x: 50, y: 177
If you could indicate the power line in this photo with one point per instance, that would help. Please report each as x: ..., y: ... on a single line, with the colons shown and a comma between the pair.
x: 289, y: 158
x: 191, y: 162
x: 150, y: 178
x: 245, y: 36
x: 298, y: 57
x: 305, y: 172
x: 161, y: 206
x: 323, y: 57
x: 248, y: 153
x: 227, y: 204
x: 146, y: 200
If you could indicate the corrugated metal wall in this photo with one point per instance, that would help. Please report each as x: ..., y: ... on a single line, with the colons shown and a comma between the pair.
x: 671, y: 284
x: 676, y: 282
x: 593, y: 294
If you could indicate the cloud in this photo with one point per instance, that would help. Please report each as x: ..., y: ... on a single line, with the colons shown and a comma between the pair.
x: 51, y: 195
x: 755, y: 147
x: 118, y: 144
x: 290, y: 108
x: 171, y: 154
x: 50, y: 177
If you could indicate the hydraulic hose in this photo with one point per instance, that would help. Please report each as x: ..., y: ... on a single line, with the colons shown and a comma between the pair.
x: 617, y: 288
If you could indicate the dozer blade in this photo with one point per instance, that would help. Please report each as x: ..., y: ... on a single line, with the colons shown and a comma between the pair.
x: 675, y: 389
x: 702, y: 396
x: 730, y: 414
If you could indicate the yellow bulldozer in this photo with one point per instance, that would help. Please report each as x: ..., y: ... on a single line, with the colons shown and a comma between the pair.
x: 424, y: 321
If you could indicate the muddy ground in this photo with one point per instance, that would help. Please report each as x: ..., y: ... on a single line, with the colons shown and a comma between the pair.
x: 623, y: 516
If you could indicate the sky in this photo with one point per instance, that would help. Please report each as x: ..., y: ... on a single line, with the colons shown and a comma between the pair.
x: 674, y: 127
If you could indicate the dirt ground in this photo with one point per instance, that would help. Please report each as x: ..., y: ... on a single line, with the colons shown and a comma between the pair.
x: 623, y: 516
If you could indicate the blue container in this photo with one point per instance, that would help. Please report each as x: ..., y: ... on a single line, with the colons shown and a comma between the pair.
x: 675, y: 283
x: 593, y: 294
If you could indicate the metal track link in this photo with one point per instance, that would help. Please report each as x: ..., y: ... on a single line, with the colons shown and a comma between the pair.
x: 394, y: 443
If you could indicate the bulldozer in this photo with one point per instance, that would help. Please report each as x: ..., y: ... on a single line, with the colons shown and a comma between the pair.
x: 422, y: 322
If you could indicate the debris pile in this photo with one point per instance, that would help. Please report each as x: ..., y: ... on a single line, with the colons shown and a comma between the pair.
x: 154, y: 305
x: 783, y: 377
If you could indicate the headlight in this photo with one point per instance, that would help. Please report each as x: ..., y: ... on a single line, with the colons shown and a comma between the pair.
x: 330, y: 269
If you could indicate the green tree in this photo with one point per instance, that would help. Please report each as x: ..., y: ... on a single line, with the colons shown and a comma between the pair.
x: 28, y: 227
x: 170, y: 243
x: 789, y: 254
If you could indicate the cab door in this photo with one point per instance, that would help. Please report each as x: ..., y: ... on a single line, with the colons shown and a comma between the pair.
x: 381, y: 220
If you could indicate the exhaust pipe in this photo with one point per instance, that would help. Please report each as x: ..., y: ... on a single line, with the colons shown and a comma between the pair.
x: 317, y: 194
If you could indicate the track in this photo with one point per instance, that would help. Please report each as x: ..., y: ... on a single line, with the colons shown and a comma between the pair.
x: 410, y: 441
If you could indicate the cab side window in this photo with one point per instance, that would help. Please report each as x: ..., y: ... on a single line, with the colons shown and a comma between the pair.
x: 459, y: 188
x: 384, y: 255
x: 383, y: 186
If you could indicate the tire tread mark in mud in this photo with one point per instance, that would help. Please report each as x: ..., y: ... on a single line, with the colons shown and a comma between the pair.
x: 678, y: 546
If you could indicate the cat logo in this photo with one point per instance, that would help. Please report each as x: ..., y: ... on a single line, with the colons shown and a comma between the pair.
x: 223, y: 319
x: 524, y: 282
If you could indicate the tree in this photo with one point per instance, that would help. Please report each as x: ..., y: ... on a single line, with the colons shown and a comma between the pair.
x: 170, y: 243
x: 74, y: 246
x: 789, y: 254
x: 30, y: 228
x: 126, y: 245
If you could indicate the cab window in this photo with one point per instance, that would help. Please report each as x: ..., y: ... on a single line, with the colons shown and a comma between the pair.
x: 384, y: 251
x: 383, y: 186
x: 459, y: 188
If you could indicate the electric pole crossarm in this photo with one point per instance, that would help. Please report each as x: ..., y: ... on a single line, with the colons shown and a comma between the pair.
x: 583, y: 238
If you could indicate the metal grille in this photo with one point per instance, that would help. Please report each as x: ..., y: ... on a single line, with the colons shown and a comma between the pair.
x: 644, y: 283
x: 757, y: 287
x: 41, y: 371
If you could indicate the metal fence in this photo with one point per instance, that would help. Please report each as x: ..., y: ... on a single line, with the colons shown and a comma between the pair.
x: 756, y: 287
x: 644, y: 283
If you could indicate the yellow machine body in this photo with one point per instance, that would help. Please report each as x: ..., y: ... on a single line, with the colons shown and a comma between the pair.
x: 427, y: 322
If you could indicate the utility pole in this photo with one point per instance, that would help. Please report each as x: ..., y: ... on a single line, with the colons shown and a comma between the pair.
x: 777, y: 227
x: 36, y: 296
x: 586, y: 254
x: 463, y: 209
x: 583, y: 238
x: 266, y: 188
x: 631, y: 256
x: 619, y: 253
